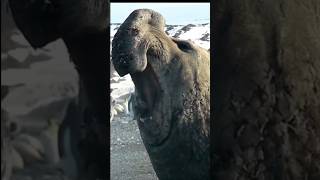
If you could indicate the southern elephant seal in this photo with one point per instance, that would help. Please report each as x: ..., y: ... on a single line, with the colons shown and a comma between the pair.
x: 172, y: 81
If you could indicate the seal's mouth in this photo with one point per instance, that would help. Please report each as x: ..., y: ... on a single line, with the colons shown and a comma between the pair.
x: 148, y: 89
x: 152, y: 112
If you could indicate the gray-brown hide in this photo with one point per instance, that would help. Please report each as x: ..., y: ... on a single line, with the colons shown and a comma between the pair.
x: 266, y: 90
x: 172, y: 80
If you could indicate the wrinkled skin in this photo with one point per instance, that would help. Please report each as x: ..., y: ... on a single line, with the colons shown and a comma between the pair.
x: 82, y: 24
x: 172, y: 80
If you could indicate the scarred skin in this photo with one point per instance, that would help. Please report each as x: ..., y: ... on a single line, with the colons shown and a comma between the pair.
x: 172, y: 100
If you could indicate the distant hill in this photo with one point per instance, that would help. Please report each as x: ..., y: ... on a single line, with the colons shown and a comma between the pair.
x: 199, y: 33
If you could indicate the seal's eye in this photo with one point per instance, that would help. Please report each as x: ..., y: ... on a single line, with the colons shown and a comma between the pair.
x: 183, y: 45
x: 135, y: 31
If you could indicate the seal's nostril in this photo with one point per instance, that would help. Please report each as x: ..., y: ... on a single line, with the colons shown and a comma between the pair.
x: 124, y: 61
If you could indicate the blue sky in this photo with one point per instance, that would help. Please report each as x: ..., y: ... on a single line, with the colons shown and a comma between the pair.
x: 174, y: 13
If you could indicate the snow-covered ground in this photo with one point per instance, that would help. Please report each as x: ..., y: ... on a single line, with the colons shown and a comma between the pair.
x: 41, y: 83
x: 122, y: 86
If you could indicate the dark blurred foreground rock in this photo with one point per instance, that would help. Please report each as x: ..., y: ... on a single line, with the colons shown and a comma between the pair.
x: 266, y: 115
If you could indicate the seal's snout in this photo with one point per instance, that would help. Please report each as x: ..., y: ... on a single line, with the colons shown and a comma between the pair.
x: 129, y: 63
x: 131, y: 42
x: 122, y: 64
